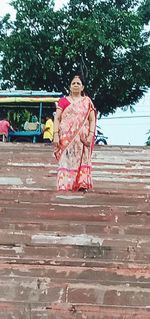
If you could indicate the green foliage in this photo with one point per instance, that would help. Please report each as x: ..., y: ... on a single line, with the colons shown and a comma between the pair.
x: 16, y: 116
x: 30, y: 50
x: 144, y: 11
x: 103, y: 40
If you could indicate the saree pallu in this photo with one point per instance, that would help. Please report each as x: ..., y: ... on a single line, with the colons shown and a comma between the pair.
x: 74, y: 158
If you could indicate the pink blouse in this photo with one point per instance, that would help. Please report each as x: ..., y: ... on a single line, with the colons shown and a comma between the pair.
x: 63, y: 103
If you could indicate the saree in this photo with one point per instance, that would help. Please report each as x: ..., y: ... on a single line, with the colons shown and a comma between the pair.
x: 74, y: 158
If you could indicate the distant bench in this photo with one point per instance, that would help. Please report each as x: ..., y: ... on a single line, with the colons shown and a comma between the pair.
x: 31, y: 130
x: 32, y: 134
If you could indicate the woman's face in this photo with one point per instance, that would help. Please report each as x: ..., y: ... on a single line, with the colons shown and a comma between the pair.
x: 76, y: 85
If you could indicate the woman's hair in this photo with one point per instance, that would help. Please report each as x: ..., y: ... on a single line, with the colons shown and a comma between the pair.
x: 76, y: 75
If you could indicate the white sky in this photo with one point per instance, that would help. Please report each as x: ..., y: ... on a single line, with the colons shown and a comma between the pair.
x: 6, y: 8
x: 131, y: 130
x: 122, y: 131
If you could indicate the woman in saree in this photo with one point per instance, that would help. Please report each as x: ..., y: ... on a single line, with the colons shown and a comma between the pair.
x: 74, y: 133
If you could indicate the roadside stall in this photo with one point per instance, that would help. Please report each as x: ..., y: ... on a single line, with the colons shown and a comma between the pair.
x: 25, y: 110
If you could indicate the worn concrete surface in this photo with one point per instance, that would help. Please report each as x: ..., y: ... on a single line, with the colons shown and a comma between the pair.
x: 74, y: 255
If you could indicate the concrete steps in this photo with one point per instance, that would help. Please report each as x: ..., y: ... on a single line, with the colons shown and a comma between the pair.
x: 74, y: 255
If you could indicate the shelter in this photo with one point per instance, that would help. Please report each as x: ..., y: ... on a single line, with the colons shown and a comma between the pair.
x: 36, y: 102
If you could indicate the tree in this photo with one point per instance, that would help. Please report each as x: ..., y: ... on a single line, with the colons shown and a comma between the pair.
x: 144, y: 11
x: 30, y: 51
x: 103, y: 40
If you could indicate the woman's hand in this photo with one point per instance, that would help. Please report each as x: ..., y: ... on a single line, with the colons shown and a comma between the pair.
x: 87, y: 141
x: 56, y: 140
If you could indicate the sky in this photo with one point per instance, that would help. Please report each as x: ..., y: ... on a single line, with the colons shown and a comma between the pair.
x: 121, y: 128
x: 126, y: 128
x: 6, y: 8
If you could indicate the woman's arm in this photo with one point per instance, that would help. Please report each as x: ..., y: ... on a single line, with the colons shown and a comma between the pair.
x: 57, y: 120
x: 92, y: 122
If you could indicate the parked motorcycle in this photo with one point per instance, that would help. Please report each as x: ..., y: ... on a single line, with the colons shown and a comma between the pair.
x: 100, y: 139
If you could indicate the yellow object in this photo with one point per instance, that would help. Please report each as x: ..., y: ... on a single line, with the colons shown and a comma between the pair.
x: 49, y: 130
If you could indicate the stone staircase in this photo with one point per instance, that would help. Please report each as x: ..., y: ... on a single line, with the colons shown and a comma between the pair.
x: 74, y: 255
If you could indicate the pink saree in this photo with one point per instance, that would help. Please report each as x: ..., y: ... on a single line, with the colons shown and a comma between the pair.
x: 74, y: 158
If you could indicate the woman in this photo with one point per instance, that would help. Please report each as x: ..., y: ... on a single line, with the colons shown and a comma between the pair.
x: 74, y: 132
